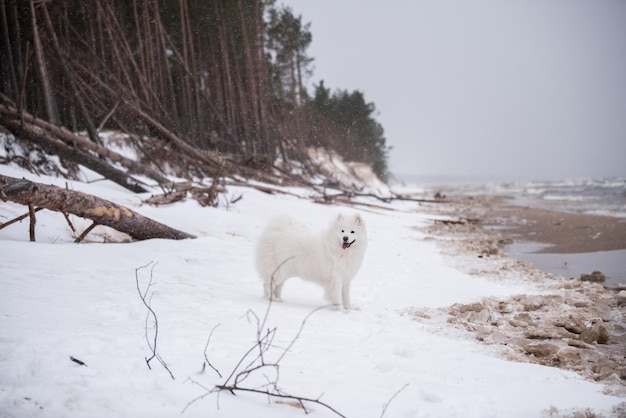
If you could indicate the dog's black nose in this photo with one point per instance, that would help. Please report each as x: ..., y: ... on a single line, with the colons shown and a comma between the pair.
x: 345, y: 239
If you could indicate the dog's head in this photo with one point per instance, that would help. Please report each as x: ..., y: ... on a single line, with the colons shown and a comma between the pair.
x: 350, y: 231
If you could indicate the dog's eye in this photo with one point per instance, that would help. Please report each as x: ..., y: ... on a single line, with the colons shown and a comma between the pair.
x: 342, y: 231
x: 352, y: 232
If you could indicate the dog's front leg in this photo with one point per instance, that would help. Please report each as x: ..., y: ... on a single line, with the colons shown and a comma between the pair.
x: 333, y: 294
x: 345, y: 294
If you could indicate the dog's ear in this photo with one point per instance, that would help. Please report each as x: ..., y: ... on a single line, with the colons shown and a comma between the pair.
x: 340, y: 217
x: 358, y: 220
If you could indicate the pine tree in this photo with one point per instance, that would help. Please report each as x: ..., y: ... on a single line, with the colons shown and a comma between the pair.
x: 347, y: 122
x: 287, y: 41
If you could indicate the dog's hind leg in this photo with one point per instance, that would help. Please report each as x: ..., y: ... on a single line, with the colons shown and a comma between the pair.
x: 278, y: 289
x: 267, y: 289
x: 272, y: 290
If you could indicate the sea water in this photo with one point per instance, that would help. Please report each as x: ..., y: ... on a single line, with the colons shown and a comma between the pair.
x: 592, y: 196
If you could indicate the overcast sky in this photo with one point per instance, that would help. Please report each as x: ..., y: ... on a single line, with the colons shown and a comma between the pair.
x: 485, y: 90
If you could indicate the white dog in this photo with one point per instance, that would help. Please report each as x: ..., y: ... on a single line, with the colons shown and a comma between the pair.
x: 331, y: 258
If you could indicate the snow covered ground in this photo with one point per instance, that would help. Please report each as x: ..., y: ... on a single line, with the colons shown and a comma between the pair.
x: 59, y: 299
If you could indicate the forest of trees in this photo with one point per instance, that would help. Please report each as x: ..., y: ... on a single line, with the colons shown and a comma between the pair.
x: 223, y: 77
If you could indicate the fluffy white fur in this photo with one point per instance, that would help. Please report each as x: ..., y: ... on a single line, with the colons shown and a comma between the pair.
x: 330, y: 258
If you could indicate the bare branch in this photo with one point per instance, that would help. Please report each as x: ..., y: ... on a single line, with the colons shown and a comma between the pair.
x: 301, y: 399
x: 18, y: 219
x: 386, y: 404
x: 257, y: 364
x: 300, y: 330
x: 153, y: 345
x: 69, y: 222
x: 33, y: 221
x: 208, y: 341
x: 85, y: 232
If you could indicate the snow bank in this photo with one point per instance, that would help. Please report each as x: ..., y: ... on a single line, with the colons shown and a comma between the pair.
x: 59, y: 299
x: 348, y: 174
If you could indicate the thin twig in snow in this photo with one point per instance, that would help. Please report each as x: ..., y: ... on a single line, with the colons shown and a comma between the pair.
x: 206, y: 358
x: 77, y: 361
x: 300, y: 330
x: 153, y: 345
x: 386, y: 404
x: 259, y: 362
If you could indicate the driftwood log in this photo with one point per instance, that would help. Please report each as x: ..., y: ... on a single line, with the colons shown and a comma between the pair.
x: 101, y: 211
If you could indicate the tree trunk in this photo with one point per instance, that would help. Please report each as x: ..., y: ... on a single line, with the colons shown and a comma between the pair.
x: 43, y: 72
x: 101, y: 211
x: 91, y: 129
x: 6, y: 40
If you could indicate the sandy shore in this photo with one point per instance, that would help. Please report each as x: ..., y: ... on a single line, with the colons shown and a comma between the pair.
x: 564, y: 232
x: 569, y: 244
x: 572, y: 324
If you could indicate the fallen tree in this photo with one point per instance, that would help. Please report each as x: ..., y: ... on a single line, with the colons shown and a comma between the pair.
x: 101, y: 211
x: 59, y: 141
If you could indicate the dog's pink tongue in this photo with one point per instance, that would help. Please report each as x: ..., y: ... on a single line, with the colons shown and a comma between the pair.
x: 345, y: 245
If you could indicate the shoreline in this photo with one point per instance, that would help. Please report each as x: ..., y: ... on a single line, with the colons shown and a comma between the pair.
x: 568, y: 323
x: 562, y: 243
x: 563, y: 232
x: 557, y: 242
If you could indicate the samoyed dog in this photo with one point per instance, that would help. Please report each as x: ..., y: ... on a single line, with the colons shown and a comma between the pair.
x: 330, y: 258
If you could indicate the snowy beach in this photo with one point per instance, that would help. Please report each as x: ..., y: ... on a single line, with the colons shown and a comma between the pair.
x: 328, y: 209
x: 410, y: 350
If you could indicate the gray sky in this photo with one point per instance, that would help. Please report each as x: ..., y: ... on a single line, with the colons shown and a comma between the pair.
x: 485, y: 90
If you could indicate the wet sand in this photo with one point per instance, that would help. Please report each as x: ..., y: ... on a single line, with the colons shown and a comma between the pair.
x: 563, y: 232
x: 566, y: 244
